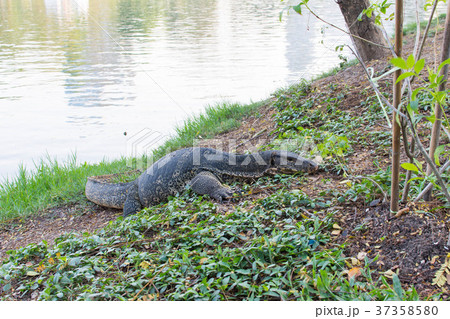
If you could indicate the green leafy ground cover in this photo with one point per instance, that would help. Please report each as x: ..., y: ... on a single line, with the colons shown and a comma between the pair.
x: 264, y: 249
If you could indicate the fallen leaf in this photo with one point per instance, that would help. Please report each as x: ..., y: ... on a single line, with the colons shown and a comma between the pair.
x: 144, y: 264
x: 32, y: 273
x: 354, y: 272
x: 203, y: 260
x: 336, y: 226
x: 361, y: 255
x: 193, y: 218
x: 433, y: 260
x: 389, y: 273
x: 40, y: 268
x: 335, y: 232
x: 355, y: 262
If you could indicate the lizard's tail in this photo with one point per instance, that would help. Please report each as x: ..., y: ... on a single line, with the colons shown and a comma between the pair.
x: 107, y: 194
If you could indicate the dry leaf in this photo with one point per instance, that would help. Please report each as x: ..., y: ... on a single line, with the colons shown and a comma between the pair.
x: 442, y: 276
x: 433, y: 260
x: 193, y: 218
x: 336, y: 226
x: 389, y: 273
x: 355, y: 262
x: 354, y: 272
x: 203, y: 260
x: 40, y: 268
x: 335, y: 232
x: 32, y: 273
x: 361, y: 255
x: 145, y: 264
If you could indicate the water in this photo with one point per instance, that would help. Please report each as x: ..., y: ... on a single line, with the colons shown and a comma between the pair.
x: 93, y: 76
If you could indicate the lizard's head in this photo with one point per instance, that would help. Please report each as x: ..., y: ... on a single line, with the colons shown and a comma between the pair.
x: 290, y: 163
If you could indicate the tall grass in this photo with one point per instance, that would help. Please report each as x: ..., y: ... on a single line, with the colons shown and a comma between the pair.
x: 216, y: 119
x: 53, y: 183
x: 50, y: 183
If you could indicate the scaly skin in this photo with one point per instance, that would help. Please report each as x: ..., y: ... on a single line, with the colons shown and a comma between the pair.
x: 204, y: 169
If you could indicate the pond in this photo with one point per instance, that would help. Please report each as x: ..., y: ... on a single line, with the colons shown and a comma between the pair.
x: 86, y: 76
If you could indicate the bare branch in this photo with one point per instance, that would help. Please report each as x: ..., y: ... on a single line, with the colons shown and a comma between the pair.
x: 430, y: 185
x: 342, y: 30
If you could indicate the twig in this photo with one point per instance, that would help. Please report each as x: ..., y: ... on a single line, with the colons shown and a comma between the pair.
x: 448, y: 240
x: 342, y: 30
x: 400, y: 212
x: 427, y: 28
x: 410, y: 153
x: 411, y: 126
x: 430, y: 162
x: 149, y: 282
x: 430, y: 185
x: 378, y: 185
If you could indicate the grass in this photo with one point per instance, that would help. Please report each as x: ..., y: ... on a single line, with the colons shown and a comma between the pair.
x: 53, y: 183
x: 411, y: 28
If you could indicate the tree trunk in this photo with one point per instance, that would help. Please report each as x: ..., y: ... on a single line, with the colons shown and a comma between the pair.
x: 395, y: 187
x: 365, y: 29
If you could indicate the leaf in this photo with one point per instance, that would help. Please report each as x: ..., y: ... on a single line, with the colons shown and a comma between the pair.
x: 361, y: 255
x: 355, y: 262
x: 388, y: 273
x: 203, y: 260
x: 414, y: 105
x: 443, y: 64
x: 397, y: 286
x: 32, y: 273
x: 74, y: 261
x: 145, y: 264
x: 438, y: 152
x: 400, y: 63
x: 410, y: 61
x: 418, y: 164
x: 419, y: 66
x: 431, y: 118
x: 354, y: 272
x: 441, y: 276
x: 414, y: 93
x: 404, y: 76
x: 410, y: 167
x: 298, y: 8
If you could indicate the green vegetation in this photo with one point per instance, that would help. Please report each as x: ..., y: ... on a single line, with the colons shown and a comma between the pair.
x: 411, y: 28
x: 187, y: 250
x: 216, y: 119
x: 51, y: 183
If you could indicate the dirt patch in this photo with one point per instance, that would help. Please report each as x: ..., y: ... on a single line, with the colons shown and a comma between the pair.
x: 413, y: 245
x: 52, y: 223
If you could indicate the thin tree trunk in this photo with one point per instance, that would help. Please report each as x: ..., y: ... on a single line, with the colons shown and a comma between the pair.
x: 397, y: 98
x: 438, y: 108
x: 365, y: 29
